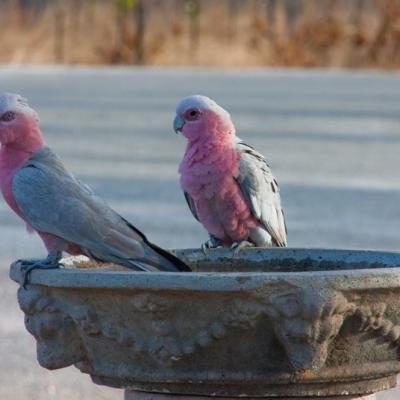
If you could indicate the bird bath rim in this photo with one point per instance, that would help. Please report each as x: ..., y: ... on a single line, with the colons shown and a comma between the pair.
x: 321, y: 264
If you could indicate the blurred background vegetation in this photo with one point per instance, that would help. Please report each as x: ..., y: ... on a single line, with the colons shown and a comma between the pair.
x: 226, y: 33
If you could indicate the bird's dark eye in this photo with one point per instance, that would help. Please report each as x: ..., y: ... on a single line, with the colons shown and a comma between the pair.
x: 192, y: 114
x: 8, y: 116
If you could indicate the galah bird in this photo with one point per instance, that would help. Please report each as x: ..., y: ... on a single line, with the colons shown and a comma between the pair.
x: 65, y: 213
x: 227, y: 184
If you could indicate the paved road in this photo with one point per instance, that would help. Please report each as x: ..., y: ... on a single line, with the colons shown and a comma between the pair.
x: 332, y: 138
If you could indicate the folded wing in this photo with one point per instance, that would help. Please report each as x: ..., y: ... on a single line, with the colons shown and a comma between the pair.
x: 261, y: 192
x: 55, y: 202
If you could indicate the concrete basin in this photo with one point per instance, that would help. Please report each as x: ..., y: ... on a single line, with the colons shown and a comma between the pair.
x: 271, y: 323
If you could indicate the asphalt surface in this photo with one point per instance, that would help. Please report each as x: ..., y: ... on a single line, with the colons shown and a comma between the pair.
x: 332, y: 139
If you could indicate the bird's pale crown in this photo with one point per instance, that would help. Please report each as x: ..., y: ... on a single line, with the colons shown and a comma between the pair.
x: 199, y: 102
x: 12, y: 102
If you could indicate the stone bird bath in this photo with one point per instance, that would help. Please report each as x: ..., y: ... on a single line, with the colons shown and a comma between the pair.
x: 277, y: 323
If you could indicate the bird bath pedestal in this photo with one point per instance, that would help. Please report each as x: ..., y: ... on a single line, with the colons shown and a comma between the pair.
x: 271, y: 323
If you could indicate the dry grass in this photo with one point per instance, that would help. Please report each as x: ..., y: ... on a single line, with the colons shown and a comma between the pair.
x: 228, y: 33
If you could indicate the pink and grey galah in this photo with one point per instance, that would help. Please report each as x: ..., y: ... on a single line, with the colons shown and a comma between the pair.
x: 65, y: 213
x: 228, y: 185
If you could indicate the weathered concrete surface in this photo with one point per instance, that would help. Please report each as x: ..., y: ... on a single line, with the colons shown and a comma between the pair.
x: 132, y: 395
x: 107, y: 125
x: 321, y: 323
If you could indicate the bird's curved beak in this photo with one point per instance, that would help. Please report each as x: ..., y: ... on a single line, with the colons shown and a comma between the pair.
x: 178, y: 124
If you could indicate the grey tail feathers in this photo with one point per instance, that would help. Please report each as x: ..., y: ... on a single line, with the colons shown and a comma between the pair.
x: 179, y: 264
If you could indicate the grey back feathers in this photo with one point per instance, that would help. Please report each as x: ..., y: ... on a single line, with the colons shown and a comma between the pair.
x: 261, y: 192
x: 55, y: 202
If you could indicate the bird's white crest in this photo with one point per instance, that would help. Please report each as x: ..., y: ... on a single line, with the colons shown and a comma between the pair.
x: 10, y: 101
x: 15, y: 102
x: 201, y: 103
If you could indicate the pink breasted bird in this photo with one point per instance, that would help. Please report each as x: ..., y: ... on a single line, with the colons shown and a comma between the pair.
x: 66, y: 214
x: 228, y: 185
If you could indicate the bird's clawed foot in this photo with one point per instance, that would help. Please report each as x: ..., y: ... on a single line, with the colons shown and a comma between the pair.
x: 211, y: 243
x: 52, y: 261
x: 238, y: 246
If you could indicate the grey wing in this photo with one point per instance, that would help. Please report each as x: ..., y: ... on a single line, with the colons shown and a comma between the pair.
x: 261, y: 192
x: 53, y: 201
x: 190, y: 203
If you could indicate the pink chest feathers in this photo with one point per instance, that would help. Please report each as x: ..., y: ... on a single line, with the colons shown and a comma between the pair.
x: 10, y: 163
x: 210, y: 180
